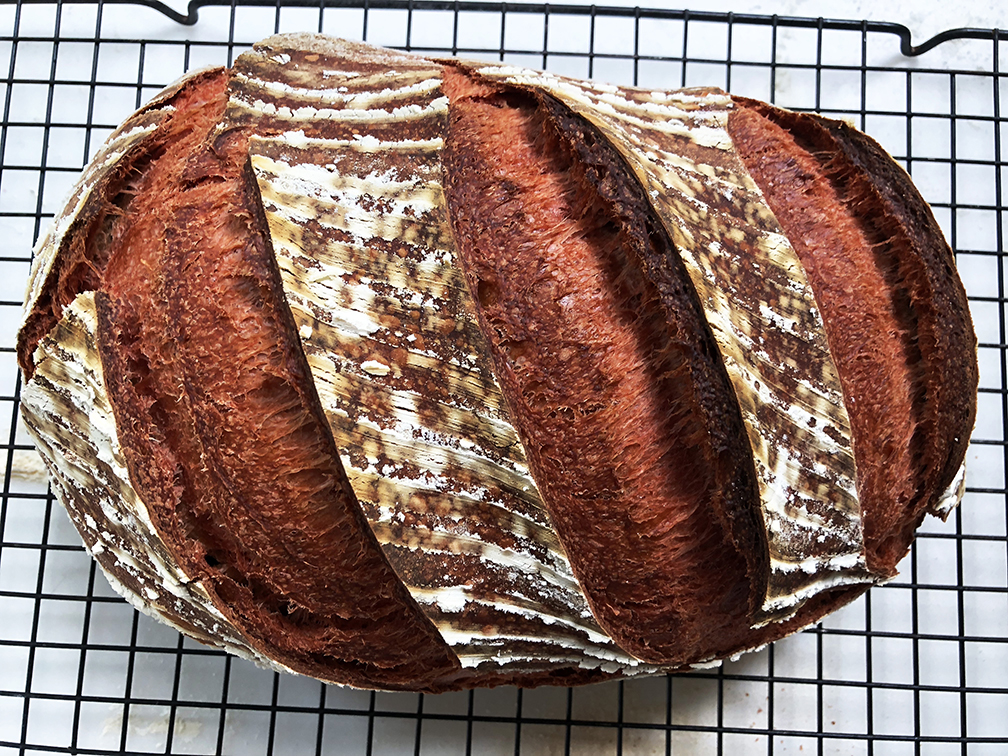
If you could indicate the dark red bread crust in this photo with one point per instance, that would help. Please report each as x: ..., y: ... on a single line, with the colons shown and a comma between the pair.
x: 904, y: 342
x: 212, y: 394
x: 735, y: 501
x: 948, y: 342
x: 670, y: 576
x: 81, y: 255
x: 222, y: 430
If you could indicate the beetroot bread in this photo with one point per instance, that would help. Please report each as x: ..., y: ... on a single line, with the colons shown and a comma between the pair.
x: 416, y: 374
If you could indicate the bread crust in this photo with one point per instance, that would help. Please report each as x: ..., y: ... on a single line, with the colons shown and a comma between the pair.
x: 948, y: 341
x: 403, y: 369
x: 213, y: 428
x: 317, y: 427
x: 673, y: 536
x: 923, y: 340
x: 762, y: 313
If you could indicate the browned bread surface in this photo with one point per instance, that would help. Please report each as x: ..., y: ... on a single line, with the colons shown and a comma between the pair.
x: 604, y: 354
x: 422, y: 375
x: 221, y: 429
x: 893, y: 312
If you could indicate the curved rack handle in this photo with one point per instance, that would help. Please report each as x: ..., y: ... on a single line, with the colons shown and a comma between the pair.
x: 907, y: 48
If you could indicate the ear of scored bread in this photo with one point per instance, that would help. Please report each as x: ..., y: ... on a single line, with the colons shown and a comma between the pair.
x: 425, y: 375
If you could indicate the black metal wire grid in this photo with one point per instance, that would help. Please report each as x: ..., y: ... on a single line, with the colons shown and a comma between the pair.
x: 916, y: 667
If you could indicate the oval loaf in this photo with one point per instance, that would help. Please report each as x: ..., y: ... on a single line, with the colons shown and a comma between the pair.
x: 417, y: 374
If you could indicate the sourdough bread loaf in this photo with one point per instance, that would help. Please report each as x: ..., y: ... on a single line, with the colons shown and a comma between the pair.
x: 418, y: 374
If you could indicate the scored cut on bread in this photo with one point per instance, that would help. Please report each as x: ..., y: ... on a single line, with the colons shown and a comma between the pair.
x: 419, y: 374
x: 613, y: 377
x: 881, y: 277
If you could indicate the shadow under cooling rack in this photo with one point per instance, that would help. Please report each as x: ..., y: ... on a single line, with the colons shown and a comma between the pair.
x: 917, y: 666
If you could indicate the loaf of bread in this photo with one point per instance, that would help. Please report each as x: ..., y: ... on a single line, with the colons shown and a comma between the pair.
x: 417, y: 374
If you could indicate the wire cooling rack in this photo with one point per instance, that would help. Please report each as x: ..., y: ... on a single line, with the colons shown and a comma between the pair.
x: 917, y: 666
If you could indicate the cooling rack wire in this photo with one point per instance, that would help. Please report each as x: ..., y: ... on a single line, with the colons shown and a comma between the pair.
x: 919, y: 666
